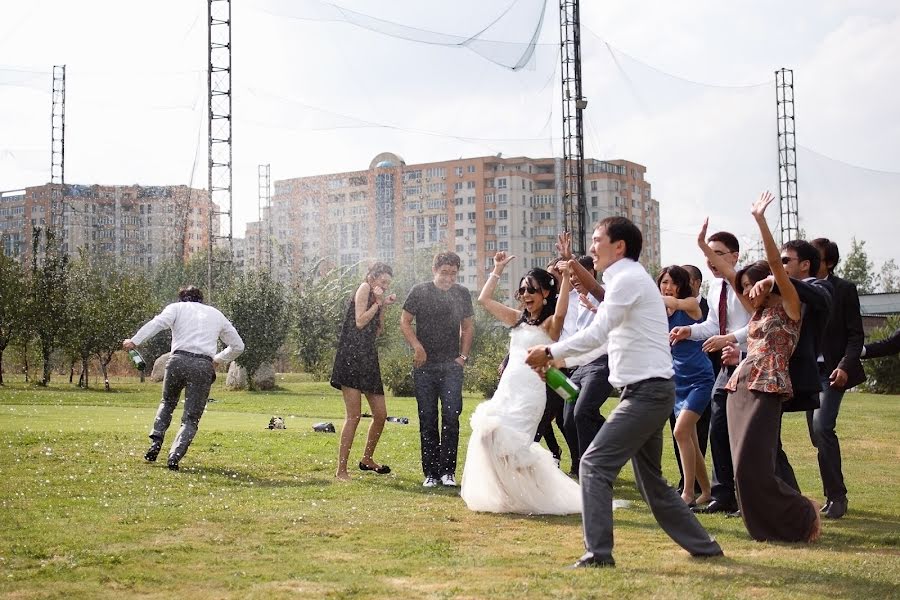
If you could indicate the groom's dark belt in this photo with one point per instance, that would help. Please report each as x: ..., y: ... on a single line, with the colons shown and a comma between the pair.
x: 192, y: 355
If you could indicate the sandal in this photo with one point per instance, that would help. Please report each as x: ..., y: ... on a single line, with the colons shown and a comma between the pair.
x: 382, y: 470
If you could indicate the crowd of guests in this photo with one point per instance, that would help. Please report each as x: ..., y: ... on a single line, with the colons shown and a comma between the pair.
x: 780, y: 335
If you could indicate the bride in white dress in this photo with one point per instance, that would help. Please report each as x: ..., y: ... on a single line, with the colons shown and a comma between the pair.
x: 505, y: 470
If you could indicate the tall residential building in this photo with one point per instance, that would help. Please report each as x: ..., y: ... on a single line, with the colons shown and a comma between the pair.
x: 395, y: 212
x: 138, y: 225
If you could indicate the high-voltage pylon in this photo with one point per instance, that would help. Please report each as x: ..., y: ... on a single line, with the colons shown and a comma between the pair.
x: 574, y: 210
x: 58, y: 150
x: 787, y: 155
x: 220, y: 153
x: 264, y: 246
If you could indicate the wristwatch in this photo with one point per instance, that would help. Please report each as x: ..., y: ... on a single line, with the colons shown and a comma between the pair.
x: 548, y: 353
x: 464, y: 357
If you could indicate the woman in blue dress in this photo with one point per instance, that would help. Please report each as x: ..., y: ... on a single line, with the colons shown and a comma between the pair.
x: 693, y: 380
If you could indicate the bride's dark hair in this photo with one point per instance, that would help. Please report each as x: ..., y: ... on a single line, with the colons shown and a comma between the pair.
x: 539, y: 278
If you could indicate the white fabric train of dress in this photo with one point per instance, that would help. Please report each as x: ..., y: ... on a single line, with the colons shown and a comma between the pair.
x: 505, y: 470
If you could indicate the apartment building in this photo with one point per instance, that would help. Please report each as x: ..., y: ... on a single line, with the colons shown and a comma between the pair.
x: 396, y: 212
x: 138, y: 225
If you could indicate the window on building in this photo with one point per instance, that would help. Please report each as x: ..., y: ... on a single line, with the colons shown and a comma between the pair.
x: 503, y: 214
x: 593, y: 185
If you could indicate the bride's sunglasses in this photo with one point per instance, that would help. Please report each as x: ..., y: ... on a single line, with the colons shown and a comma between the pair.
x: 529, y: 289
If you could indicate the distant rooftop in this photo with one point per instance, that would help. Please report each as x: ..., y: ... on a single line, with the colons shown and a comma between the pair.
x: 879, y: 304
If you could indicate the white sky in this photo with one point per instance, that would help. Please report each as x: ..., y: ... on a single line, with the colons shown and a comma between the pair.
x: 685, y: 88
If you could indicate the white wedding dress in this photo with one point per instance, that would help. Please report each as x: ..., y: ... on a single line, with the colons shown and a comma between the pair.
x: 506, y: 471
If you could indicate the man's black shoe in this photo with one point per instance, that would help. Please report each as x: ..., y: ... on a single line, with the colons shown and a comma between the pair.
x: 718, y: 554
x: 825, y: 506
x: 836, y: 509
x: 173, y: 463
x: 715, y: 506
x: 593, y: 563
x: 153, y: 452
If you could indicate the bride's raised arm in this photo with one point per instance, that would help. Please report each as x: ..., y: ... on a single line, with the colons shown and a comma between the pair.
x: 555, y: 322
x: 503, y: 313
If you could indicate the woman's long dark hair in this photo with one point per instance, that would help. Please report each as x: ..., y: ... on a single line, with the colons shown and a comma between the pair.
x: 680, y: 277
x: 539, y: 278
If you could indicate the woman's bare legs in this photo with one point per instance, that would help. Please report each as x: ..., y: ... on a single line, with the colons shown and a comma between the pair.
x: 352, y: 405
x: 700, y: 470
x: 379, y: 414
x: 691, y: 459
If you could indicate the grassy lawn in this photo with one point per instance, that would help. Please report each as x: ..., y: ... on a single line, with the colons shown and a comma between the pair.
x: 256, y: 513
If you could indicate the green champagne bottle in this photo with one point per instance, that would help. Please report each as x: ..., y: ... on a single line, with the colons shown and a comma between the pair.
x: 562, y: 385
x: 137, y: 359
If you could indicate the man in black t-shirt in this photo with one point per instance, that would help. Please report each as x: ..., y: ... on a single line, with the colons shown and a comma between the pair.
x: 442, y: 310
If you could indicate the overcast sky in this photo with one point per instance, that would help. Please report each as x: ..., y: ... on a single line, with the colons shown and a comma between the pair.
x: 685, y: 88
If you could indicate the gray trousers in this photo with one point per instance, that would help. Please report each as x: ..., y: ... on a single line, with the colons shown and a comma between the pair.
x: 195, y: 376
x: 634, y: 431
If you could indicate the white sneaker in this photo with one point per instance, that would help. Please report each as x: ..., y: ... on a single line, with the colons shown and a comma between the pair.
x: 448, y: 480
x: 430, y: 482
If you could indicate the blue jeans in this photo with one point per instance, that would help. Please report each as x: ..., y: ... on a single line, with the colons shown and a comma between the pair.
x: 822, y: 423
x: 433, y: 382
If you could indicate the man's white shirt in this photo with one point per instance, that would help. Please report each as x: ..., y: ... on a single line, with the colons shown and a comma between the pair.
x: 737, y: 316
x: 632, y: 320
x: 196, y: 328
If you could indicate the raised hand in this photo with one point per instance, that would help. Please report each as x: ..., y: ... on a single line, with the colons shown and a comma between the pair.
x: 564, y: 245
x: 585, y: 302
x: 388, y: 300
x: 501, y: 259
x: 759, y: 207
x: 701, y: 237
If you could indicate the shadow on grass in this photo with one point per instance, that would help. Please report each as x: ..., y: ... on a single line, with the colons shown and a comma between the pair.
x: 238, y: 478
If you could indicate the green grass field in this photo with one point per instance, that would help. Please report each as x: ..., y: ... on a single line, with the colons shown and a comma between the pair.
x: 256, y: 513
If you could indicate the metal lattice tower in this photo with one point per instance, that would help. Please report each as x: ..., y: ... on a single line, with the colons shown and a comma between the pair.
x: 574, y: 210
x: 264, y: 247
x: 58, y: 149
x: 220, y: 151
x: 787, y: 155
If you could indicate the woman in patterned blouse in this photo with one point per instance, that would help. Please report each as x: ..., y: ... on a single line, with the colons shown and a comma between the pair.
x: 771, y: 509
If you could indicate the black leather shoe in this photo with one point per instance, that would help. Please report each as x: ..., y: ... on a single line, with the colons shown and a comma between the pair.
x: 836, y: 509
x: 716, y: 506
x: 593, y: 563
x: 173, y: 463
x: 382, y: 470
x: 153, y: 452
x: 718, y: 554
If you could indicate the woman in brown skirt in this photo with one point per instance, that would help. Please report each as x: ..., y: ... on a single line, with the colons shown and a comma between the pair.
x: 771, y: 509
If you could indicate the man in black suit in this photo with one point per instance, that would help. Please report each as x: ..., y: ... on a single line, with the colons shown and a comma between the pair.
x: 886, y: 347
x: 839, y: 370
x: 801, y: 262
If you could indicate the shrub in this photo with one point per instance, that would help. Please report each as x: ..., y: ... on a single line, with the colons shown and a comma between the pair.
x: 883, y: 374
x: 396, y: 373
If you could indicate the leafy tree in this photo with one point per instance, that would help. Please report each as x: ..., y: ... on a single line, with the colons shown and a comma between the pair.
x: 858, y: 269
x: 883, y: 374
x: 889, y: 278
x: 106, y: 305
x: 258, y: 309
x: 318, y: 310
x: 48, y: 287
x: 13, y: 308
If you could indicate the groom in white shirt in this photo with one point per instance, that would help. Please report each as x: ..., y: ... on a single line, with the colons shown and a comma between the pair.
x: 632, y: 319
x: 196, y: 330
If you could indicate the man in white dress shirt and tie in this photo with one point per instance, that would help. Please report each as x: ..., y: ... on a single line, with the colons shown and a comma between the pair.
x: 725, y: 324
x: 632, y: 319
x: 196, y: 329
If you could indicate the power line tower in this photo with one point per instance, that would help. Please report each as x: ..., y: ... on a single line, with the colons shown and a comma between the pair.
x: 264, y: 246
x: 574, y: 210
x: 219, y: 117
x: 787, y: 155
x: 58, y: 151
